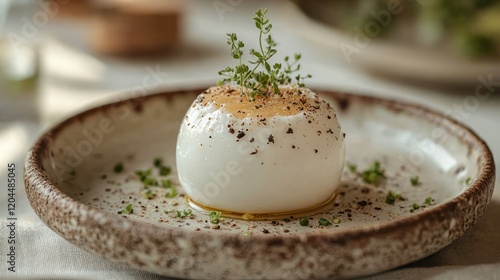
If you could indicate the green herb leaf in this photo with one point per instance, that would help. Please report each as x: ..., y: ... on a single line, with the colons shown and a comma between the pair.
x: 143, y: 174
x: 324, y: 222
x: 128, y: 209
x: 165, y: 170
x: 428, y: 200
x: 214, y: 217
x: 187, y: 213
x: 166, y: 183
x: 373, y: 173
x: 468, y: 180
x: 118, y: 168
x: 304, y: 221
x: 149, y: 194
x: 353, y: 168
x: 415, y: 181
x: 173, y: 193
x: 391, y: 198
x: 262, y: 77
x: 158, y: 162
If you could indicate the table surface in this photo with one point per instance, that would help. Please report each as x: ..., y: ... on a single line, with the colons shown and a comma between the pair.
x: 65, y: 88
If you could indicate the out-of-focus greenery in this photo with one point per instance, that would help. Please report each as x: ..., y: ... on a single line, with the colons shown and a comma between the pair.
x: 472, y: 27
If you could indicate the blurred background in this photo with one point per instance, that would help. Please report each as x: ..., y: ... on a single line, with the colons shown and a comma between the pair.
x: 61, y: 56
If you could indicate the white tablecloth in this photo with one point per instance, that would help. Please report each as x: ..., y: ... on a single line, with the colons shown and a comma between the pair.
x: 64, y: 89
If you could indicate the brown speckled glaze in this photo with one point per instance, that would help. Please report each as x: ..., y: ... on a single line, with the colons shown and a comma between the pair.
x: 72, y: 188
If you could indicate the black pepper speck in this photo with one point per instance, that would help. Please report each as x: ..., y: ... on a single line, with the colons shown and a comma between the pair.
x: 270, y: 139
x: 240, y: 135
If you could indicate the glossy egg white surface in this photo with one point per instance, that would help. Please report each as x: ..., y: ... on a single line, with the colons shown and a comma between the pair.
x: 274, y: 154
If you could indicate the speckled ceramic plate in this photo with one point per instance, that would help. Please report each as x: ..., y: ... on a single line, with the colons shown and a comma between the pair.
x: 73, y: 186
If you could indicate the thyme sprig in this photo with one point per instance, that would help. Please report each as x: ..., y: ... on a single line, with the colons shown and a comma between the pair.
x: 262, y: 77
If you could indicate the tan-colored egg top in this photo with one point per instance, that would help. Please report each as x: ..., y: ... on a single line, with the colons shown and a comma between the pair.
x: 291, y: 101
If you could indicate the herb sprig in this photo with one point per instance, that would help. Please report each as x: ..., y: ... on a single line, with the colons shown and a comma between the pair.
x: 262, y: 76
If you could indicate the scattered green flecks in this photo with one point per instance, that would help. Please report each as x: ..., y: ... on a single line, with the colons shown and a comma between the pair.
x: 468, y: 180
x: 352, y: 168
x: 143, y: 174
x: 304, y: 221
x: 158, y: 162
x: 118, y: 168
x: 215, y: 217
x: 185, y: 213
x: 373, y: 173
x: 324, y: 222
x: 173, y: 193
x: 165, y: 171
x: 128, y: 209
x: 166, y: 183
x: 247, y: 233
x: 429, y: 200
x: 391, y: 197
x: 149, y: 194
x: 414, y: 207
x: 415, y: 181
x: 335, y: 220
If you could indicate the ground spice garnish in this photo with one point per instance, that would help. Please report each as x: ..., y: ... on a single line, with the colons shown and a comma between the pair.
x: 240, y: 135
x: 270, y: 139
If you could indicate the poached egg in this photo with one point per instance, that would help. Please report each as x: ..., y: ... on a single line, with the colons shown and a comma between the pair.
x: 277, y: 153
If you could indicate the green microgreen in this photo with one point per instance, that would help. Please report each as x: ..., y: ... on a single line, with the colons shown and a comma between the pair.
x: 391, y: 197
x: 149, y: 194
x: 166, y: 183
x: 214, y: 217
x: 353, y: 168
x: 165, y: 170
x: 128, y: 209
x: 373, y: 173
x: 184, y: 213
x: 468, y: 180
x: 335, y: 220
x: 143, y: 174
x: 428, y: 200
x: 261, y: 77
x: 415, y: 181
x: 324, y: 222
x: 304, y: 221
x: 173, y: 193
x: 158, y: 162
x: 414, y: 207
x: 118, y: 168
x: 146, y: 178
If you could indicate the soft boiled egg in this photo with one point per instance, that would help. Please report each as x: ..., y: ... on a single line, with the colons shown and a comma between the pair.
x: 276, y: 153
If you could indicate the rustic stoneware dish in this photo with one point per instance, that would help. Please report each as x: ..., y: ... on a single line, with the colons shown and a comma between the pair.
x: 80, y: 176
